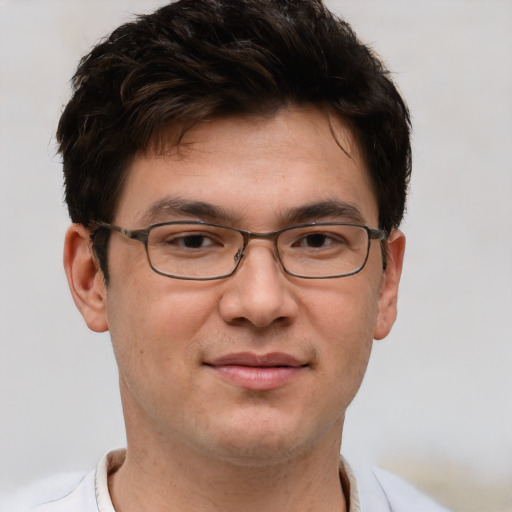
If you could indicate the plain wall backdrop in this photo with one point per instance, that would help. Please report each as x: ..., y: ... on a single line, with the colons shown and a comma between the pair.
x: 436, y: 404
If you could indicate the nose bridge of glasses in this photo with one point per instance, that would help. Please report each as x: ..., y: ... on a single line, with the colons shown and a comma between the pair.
x: 269, y: 239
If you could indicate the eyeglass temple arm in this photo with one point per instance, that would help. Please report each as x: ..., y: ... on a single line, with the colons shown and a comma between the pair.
x: 136, y: 234
x: 378, y: 234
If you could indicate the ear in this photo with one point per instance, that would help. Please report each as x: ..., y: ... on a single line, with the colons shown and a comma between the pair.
x: 389, y: 289
x: 85, y: 278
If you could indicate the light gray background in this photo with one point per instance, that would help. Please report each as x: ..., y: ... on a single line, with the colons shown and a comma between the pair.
x: 436, y: 403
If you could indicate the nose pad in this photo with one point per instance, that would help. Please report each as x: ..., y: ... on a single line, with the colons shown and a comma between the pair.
x: 255, y: 240
x: 239, y: 255
x: 244, y: 253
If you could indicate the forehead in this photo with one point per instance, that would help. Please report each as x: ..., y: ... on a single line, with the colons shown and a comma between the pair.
x: 255, y: 169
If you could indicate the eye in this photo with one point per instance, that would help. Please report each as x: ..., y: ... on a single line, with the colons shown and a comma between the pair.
x: 192, y: 241
x: 317, y: 240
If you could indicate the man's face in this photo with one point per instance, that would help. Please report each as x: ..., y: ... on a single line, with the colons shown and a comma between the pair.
x: 260, y: 365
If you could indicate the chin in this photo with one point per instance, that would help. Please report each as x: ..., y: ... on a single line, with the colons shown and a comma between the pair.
x: 264, y: 441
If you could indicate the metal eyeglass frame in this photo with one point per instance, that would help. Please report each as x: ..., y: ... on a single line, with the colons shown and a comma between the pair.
x: 142, y: 235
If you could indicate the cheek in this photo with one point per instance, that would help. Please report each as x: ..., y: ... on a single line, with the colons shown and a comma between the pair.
x: 155, y: 336
x: 176, y: 313
x: 344, y: 318
x: 348, y: 310
x: 156, y: 323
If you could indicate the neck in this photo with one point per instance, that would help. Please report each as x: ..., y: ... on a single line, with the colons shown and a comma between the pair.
x: 158, y: 479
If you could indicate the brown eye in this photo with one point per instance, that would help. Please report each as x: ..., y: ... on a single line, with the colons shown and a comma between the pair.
x: 315, y: 240
x: 192, y: 241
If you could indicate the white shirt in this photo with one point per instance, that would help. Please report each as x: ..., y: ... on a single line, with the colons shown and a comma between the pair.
x: 372, y: 491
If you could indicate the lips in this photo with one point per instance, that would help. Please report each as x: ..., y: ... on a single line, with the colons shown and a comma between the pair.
x: 264, y: 360
x: 257, y: 372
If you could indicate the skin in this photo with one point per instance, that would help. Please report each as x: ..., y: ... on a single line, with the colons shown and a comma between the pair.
x: 196, y: 439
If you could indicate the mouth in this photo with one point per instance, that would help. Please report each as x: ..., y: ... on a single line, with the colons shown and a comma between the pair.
x: 257, y: 372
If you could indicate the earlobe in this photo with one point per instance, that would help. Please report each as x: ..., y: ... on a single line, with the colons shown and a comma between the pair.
x: 389, y: 290
x: 85, y: 278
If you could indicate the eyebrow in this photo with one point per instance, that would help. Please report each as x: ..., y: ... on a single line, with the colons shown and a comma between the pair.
x: 327, y: 209
x: 170, y: 207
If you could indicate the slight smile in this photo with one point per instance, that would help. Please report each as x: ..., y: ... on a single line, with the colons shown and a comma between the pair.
x: 257, y: 372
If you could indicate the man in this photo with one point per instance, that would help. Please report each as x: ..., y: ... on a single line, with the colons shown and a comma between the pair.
x: 236, y: 173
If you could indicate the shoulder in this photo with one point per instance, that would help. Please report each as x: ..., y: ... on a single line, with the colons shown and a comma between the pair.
x: 378, y: 487
x: 64, y: 493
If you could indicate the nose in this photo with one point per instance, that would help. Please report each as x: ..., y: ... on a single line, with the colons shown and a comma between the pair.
x: 259, y: 292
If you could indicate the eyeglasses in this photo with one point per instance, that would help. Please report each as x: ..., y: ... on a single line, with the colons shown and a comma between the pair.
x: 203, y: 251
